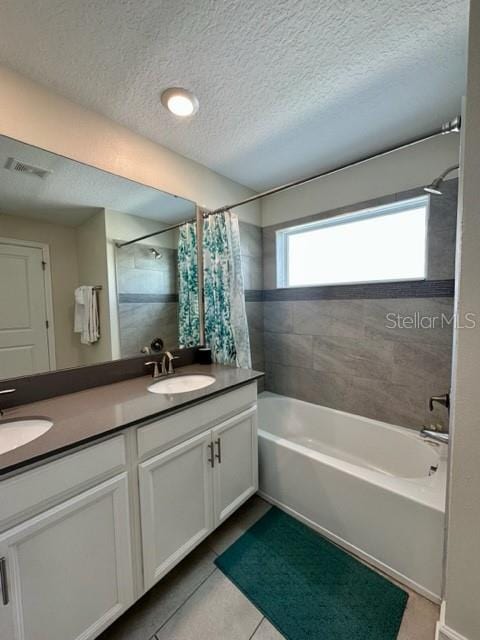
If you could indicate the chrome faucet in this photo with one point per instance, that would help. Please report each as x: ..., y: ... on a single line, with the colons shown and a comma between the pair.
x: 436, y: 436
x: 5, y: 392
x: 167, y: 363
x: 155, y: 370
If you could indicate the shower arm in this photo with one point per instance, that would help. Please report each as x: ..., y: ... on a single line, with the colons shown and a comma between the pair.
x: 443, y: 175
x: 452, y: 126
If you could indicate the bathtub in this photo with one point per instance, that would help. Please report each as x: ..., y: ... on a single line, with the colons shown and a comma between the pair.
x: 375, y: 489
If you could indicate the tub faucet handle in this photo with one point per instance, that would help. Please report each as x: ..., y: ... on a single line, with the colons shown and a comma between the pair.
x: 444, y: 400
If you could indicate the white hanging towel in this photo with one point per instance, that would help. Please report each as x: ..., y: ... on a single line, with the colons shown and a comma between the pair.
x: 86, y: 321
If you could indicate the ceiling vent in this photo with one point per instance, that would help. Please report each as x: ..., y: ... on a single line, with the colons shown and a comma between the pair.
x: 16, y: 165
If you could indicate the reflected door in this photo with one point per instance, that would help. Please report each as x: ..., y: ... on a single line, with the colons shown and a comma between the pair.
x: 23, y: 319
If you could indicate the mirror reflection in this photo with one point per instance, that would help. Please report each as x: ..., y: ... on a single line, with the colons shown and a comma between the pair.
x: 69, y: 296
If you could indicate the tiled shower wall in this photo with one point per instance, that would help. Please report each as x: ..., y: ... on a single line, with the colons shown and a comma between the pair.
x: 252, y: 262
x: 147, y: 298
x: 333, y: 346
x: 148, y: 301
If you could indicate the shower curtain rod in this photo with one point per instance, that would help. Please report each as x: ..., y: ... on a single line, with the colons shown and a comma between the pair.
x: 452, y: 126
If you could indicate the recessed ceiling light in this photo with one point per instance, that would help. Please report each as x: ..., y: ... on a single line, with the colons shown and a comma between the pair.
x: 180, y: 102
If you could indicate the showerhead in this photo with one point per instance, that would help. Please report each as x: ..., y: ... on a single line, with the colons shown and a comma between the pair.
x: 436, y: 186
x: 156, y: 255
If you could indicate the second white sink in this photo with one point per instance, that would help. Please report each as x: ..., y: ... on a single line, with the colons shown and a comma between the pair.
x: 182, y: 384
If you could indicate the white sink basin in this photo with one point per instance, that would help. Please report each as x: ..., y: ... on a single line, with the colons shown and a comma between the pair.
x: 181, y: 384
x: 17, y: 432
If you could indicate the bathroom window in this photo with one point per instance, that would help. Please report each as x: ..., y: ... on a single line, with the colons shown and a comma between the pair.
x: 382, y: 244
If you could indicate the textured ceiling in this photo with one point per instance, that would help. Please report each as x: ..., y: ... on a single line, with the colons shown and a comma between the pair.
x: 72, y: 192
x: 286, y: 87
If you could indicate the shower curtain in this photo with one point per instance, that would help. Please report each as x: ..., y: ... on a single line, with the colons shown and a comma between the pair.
x: 188, y: 318
x: 226, y: 328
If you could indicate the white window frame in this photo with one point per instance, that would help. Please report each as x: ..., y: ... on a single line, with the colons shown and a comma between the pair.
x: 282, y: 236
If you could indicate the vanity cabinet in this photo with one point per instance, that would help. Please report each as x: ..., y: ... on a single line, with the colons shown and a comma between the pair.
x: 235, y: 476
x: 189, y: 490
x: 67, y: 572
x: 68, y: 566
x: 175, y: 504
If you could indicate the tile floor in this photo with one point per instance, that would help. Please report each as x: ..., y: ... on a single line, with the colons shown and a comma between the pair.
x: 196, y: 601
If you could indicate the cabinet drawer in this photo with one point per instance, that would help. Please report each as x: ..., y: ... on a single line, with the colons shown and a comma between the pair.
x: 165, y: 432
x: 44, y: 485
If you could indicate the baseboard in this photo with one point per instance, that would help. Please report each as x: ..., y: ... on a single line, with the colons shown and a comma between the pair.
x: 443, y: 632
x: 365, y: 557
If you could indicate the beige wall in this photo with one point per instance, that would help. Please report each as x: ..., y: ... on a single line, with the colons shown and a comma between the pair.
x: 64, y: 272
x: 37, y: 116
x: 462, y: 587
x: 400, y: 171
x: 123, y: 226
x: 92, y: 270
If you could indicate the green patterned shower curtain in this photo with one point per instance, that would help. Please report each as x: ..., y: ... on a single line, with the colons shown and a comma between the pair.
x: 188, y: 318
x: 226, y: 328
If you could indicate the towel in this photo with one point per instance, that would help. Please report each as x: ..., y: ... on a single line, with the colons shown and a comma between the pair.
x: 86, y: 321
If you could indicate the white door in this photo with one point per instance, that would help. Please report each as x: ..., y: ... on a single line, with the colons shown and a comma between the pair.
x: 236, y: 463
x: 67, y: 572
x: 176, y: 504
x: 23, y: 320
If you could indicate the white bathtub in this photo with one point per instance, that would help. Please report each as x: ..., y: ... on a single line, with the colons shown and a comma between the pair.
x: 373, y: 488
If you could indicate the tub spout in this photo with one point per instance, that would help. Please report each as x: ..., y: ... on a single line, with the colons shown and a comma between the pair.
x: 437, y: 436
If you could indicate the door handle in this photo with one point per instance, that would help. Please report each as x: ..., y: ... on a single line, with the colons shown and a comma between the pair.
x: 218, y: 455
x: 3, y: 581
x: 211, y: 459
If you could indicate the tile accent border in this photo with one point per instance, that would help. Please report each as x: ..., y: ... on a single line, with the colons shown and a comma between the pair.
x: 254, y: 295
x: 140, y: 298
x: 251, y: 295
x: 369, y: 291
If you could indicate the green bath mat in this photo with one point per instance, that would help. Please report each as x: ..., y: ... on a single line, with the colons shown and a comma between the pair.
x: 307, y: 587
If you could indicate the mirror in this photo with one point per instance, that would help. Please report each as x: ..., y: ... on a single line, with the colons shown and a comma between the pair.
x: 60, y: 221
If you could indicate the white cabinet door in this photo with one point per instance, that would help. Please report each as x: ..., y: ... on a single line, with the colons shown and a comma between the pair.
x: 176, y: 504
x: 236, y: 463
x: 68, y: 571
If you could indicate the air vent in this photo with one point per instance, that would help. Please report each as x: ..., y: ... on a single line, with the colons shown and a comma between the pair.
x: 12, y: 164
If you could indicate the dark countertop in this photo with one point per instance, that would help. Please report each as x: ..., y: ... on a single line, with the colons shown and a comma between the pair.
x: 94, y: 413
